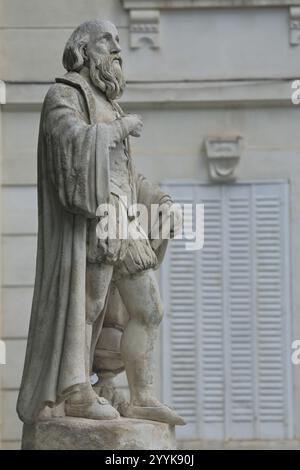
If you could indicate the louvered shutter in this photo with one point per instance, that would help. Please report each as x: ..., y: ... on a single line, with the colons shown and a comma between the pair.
x: 226, y: 363
x: 273, y: 370
x: 239, y: 312
x: 210, y: 317
x: 179, y: 286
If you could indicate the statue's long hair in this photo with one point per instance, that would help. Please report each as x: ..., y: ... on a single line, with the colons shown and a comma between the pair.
x: 74, y: 54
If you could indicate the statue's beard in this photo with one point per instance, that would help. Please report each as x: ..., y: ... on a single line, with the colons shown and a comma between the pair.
x: 107, y: 75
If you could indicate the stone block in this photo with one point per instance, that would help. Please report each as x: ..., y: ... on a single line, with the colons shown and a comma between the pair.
x: 86, y: 434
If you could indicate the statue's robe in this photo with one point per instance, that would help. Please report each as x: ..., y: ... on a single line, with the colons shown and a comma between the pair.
x: 73, y: 180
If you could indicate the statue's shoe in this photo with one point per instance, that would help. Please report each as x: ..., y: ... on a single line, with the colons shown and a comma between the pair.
x: 116, y: 398
x: 162, y: 413
x: 97, y: 409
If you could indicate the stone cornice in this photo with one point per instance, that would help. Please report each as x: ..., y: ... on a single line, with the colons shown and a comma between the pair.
x: 187, y: 4
x: 202, y: 94
x: 144, y: 15
x: 2, y: 92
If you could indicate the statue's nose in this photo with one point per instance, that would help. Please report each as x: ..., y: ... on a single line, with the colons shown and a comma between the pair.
x: 116, y: 49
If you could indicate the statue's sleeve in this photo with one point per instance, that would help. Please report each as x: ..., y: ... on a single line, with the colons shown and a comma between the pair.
x: 118, y: 131
x: 74, y: 153
x: 149, y: 193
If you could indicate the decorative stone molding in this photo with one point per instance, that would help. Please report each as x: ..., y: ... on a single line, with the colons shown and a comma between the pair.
x: 144, y: 28
x: 232, y: 93
x: 2, y: 92
x: 144, y: 15
x: 223, y: 154
x: 185, y: 4
x: 294, y: 26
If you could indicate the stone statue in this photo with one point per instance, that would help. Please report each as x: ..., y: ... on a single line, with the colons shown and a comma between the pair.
x: 96, y: 305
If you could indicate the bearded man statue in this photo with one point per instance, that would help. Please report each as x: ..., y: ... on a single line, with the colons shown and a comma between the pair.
x: 96, y: 305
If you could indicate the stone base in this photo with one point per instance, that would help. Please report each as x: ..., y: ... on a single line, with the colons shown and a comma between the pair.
x: 87, y: 434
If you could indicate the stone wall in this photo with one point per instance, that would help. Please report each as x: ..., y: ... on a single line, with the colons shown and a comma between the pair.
x: 220, y: 71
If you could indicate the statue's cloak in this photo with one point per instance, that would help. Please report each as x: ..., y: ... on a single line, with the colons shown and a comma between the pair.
x: 73, y: 179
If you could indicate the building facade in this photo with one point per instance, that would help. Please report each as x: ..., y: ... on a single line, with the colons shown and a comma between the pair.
x: 213, y: 81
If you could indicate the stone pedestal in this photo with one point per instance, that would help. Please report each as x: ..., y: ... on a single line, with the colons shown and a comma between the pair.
x: 86, y: 434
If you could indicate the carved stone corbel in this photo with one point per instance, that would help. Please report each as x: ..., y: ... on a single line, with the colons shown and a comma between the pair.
x: 294, y: 26
x: 144, y: 28
x: 223, y: 155
x: 2, y: 92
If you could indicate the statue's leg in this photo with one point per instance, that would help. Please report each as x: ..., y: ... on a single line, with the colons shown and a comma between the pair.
x: 108, y: 362
x: 98, y: 279
x: 141, y: 297
x: 85, y: 402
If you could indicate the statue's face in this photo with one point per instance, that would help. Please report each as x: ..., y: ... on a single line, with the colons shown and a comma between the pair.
x: 104, y: 60
x: 104, y: 40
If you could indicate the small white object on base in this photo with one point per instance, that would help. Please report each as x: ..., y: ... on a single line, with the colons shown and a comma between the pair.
x: 86, y: 434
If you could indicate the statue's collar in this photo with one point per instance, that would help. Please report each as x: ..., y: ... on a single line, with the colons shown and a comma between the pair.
x: 76, y: 80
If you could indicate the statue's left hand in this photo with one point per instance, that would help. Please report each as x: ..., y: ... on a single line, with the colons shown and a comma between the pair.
x: 170, y: 222
x: 134, y: 124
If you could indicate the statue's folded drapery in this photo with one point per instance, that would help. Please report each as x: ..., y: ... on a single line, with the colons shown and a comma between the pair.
x: 73, y: 179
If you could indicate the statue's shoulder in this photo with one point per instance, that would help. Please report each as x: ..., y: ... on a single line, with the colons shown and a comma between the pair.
x: 62, y: 88
x: 71, y: 91
x: 63, y: 91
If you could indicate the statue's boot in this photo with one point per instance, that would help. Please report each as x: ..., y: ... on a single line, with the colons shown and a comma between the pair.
x: 98, y: 409
x: 85, y: 403
x: 162, y: 413
x: 143, y: 404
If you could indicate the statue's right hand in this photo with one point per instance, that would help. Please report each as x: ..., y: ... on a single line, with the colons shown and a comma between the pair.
x: 134, y: 124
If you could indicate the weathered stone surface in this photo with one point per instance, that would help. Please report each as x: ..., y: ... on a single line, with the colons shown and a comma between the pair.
x: 86, y: 434
x: 84, y: 327
x: 87, y: 328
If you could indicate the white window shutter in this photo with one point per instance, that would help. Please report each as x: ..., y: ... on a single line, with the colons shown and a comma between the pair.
x: 226, y: 338
x: 210, y: 296
x: 179, y: 286
x: 273, y: 312
x: 239, y: 312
